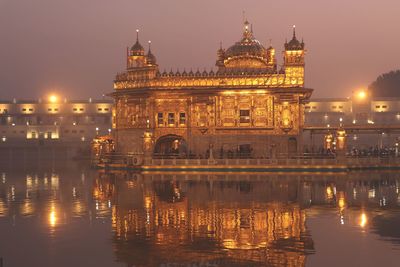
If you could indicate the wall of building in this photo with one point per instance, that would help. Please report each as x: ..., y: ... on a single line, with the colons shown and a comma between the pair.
x: 355, y: 111
x: 67, y: 121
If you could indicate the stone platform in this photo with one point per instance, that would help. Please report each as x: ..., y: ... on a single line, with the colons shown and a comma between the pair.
x: 311, y: 165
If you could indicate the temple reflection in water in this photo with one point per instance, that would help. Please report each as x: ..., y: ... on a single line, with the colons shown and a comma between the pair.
x: 208, y: 220
x: 243, y: 221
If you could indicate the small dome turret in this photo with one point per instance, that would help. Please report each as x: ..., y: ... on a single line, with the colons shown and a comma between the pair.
x: 151, y: 59
x: 294, y: 44
x: 137, y: 49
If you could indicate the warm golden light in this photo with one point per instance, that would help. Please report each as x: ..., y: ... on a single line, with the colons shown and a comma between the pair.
x: 363, y: 220
x: 361, y: 95
x: 53, y: 218
x: 53, y: 98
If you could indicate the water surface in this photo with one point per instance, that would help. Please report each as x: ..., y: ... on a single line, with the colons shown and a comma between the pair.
x: 65, y: 214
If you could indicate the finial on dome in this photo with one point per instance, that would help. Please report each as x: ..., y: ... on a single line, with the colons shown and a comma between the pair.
x: 294, y: 31
x: 137, y: 35
x: 149, y: 45
x: 247, y: 33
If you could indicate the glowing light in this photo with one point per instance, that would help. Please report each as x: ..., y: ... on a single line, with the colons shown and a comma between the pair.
x: 53, y: 99
x: 53, y: 216
x: 363, y: 220
x: 342, y: 203
x: 361, y: 94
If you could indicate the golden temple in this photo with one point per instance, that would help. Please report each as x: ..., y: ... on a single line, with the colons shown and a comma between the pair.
x: 247, y: 107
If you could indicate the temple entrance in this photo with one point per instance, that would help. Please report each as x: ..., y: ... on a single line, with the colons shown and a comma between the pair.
x: 292, y: 146
x: 170, y: 146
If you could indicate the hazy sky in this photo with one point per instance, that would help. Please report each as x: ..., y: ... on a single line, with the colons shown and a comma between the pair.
x: 77, y: 47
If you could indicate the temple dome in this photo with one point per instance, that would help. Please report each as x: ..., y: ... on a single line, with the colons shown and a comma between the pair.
x: 137, y: 49
x: 151, y: 58
x: 248, y: 53
x: 294, y: 44
x: 247, y: 46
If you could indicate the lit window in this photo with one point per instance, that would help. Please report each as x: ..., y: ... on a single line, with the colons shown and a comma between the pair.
x: 384, y: 106
x: 160, y: 119
x: 244, y: 116
x: 334, y: 107
x: 81, y: 109
x: 171, y: 118
x: 24, y: 109
x: 307, y: 107
x: 99, y: 109
x: 49, y: 109
x: 75, y: 109
x: 182, y: 118
x: 377, y: 106
x: 106, y: 109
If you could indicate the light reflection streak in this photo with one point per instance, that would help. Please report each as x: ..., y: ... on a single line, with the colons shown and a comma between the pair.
x: 363, y: 220
x: 53, y: 217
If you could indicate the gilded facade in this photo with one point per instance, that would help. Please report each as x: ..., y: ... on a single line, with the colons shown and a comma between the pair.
x: 248, y: 106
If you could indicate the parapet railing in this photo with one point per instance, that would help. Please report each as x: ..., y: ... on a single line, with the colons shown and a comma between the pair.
x: 138, y: 159
x: 277, y: 162
x: 241, y: 162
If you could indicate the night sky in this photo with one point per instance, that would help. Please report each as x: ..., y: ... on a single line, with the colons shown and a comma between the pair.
x: 75, y: 48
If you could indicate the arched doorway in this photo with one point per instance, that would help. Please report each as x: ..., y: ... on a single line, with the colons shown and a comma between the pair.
x: 170, y: 146
x: 292, y: 146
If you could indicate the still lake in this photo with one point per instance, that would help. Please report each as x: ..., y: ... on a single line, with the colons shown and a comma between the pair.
x: 66, y: 214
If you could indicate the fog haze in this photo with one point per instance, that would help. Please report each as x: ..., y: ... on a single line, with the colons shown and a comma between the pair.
x: 75, y: 48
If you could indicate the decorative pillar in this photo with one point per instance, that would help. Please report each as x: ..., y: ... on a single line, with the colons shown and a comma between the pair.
x: 341, y: 139
x: 147, y: 144
x: 341, y: 145
x: 328, y: 142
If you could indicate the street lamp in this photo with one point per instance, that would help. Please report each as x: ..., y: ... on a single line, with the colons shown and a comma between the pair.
x: 53, y: 99
x: 361, y: 94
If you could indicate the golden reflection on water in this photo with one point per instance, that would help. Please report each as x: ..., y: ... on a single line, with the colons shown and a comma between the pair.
x: 363, y: 220
x: 3, y: 209
x: 219, y: 219
x: 53, y: 217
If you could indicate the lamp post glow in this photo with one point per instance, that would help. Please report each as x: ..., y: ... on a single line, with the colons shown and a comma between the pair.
x: 53, y: 99
x: 361, y: 94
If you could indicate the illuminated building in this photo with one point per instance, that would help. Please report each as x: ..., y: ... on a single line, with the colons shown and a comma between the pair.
x: 381, y: 115
x: 247, y: 105
x: 53, y: 119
